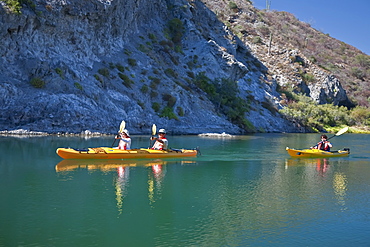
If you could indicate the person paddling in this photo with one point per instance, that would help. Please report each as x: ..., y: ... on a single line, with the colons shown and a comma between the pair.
x: 324, y: 144
x: 161, y: 142
x: 125, y: 140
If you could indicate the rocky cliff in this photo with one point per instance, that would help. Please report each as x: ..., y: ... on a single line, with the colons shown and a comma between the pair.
x: 68, y: 66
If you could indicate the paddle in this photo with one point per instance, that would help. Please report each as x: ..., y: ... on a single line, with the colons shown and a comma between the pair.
x: 154, y: 131
x: 121, y: 128
x: 340, y: 132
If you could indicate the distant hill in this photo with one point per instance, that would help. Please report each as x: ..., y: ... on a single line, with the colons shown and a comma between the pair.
x: 272, y: 34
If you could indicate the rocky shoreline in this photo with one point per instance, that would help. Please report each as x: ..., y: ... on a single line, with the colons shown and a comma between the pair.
x: 23, y: 132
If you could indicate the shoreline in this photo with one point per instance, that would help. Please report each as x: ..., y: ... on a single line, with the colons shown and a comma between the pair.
x: 23, y: 132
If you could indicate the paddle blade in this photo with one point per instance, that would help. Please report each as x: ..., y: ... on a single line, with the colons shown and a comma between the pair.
x: 342, y: 131
x: 154, y: 130
x: 122, y: 126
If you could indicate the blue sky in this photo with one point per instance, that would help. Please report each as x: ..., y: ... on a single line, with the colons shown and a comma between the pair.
x: 347, y: 21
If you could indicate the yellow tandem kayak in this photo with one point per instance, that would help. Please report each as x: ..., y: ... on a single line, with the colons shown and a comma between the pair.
x: 113, y: 153
x: 314, y: 153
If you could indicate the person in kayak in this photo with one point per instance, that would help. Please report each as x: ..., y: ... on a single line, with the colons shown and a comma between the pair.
x: 161, y: 142
x: 125, y: 140
x: 324, y: 144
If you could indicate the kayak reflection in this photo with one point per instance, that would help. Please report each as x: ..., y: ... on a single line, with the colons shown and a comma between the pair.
x: 112, y: 164
x: 156, y: 174
x: 322, y: 164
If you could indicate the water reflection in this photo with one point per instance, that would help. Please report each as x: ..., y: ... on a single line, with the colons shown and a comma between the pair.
x: 155, y: 179
x: 122, y: 168
x: 340, y: 188
x: 121, y: 184
x: 321, y: 165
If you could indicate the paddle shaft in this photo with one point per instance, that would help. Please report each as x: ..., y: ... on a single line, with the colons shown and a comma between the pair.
x: 121, y: 128
x: 114, y: 141
x: 154, y: 130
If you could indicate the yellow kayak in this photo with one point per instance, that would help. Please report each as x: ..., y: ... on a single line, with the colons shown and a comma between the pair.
x: 113, y: 153
x: 314, y: 153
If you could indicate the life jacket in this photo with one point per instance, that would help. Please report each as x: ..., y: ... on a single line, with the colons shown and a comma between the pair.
x: 158, y: 145
x: 323, y: 146
x: 125, y: 144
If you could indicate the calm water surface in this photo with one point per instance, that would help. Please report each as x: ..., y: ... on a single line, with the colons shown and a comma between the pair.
x: 244, y: 191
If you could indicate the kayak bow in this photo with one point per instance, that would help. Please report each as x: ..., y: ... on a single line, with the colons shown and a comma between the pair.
x: 313, y: 153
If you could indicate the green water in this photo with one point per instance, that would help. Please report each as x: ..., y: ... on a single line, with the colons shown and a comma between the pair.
x: 244, y: 191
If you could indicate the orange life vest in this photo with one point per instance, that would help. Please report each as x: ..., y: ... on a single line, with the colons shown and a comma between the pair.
x: 323, y: 146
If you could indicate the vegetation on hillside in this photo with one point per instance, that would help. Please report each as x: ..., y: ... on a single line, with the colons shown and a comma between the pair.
x: 223, y: 94
x: 308, y: 113
x: 15, y: 6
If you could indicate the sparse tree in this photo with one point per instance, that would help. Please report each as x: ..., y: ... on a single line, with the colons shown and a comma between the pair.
x: 268, y: 5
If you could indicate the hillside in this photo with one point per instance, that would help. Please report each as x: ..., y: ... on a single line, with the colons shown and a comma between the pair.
x: 296, y: 54
x: 188, y: 66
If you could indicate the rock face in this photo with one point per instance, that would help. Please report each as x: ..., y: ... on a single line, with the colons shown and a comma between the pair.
x: 329, y: 91
x: 68, y: 66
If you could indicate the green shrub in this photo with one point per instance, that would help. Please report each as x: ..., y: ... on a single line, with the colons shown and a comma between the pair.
x: 156, y: 106
x: 167, y: 45
x: 358, y: 73
x: 143, y: 48
x: 233, y: 5
x: 14, y: 6
x: 363, y: 60
x: 78, y: 85
x: 132, y: 62
x: 153, y: 94
x: 360, y: 116
x: 175, y: 30
x: 127, y: 52
x: 257, y: 40
x: 204, y: 83
x: 152, y: 36
x: 59, y: 71
x: 308, y: 77
x: 312, y: 59
x: 230, y: 104
x: 126, y: 80
x: 171, y: 72
x: 37, y: 82
x: 171, y: 100
x: 154, y: 82
x: 144, y: 88
x: 223, y: 93
x: 168, y: 113
x: 97, y: 77
x: 111, y: 65
x: 141, y: 104
x: 120, y: 68
x: 309, y: 113
x: 104, y: 72
x: 190, y: 74
x: 180, y: 111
